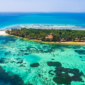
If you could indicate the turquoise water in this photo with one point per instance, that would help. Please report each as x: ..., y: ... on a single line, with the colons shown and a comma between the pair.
x: 24, y: 62
x: 37, y: 63
x: 43, y: 20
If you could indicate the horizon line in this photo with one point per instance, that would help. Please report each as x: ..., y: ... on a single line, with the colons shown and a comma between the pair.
x: 42, y: 12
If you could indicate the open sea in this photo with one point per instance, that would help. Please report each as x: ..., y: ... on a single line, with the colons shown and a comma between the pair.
x: 43, y: 20
x: 27, y: 62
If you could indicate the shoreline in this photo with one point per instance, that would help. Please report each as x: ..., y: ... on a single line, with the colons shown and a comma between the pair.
x: 3, y: 32
x: 64, y: 43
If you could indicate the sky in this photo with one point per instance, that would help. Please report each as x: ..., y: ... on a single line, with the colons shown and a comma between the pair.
x: 42, y: 5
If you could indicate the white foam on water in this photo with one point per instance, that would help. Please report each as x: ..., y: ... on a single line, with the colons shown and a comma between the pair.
x: 43, y: 26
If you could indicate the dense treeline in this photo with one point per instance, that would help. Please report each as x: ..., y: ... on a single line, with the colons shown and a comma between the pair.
x: 58, y: 35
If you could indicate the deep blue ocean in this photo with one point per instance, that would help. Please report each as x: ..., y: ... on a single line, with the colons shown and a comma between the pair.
x: 54, y: 20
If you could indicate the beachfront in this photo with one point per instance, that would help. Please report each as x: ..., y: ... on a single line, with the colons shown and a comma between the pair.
x: 3, y: 32
x: 30, y: 34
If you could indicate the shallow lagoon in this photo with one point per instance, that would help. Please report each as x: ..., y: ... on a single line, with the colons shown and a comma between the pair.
x: 34, y: 63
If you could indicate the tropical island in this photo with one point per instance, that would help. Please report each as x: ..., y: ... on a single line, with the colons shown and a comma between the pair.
x: 65, y: 36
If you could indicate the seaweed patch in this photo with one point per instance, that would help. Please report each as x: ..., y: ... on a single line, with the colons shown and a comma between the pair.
x: 13, y: 80
x: 80, y: 51
x: 64, y: 75
x: 50, y: 63
x: 34, y: 65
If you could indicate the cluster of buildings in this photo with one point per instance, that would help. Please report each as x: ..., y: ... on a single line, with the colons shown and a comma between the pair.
x: 63, y: 39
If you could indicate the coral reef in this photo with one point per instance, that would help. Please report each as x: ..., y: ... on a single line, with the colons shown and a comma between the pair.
x: 34, y: 65
x: 64, y: 75
x: 13, y: 79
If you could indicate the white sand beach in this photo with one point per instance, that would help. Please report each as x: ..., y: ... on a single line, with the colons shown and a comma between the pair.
x: 3, y: 32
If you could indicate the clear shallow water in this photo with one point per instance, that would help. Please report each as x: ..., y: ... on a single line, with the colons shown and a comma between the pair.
x: 43, y: 20
x: 17, y: 57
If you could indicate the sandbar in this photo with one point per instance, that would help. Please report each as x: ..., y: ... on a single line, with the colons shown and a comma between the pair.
x: 3, y: 32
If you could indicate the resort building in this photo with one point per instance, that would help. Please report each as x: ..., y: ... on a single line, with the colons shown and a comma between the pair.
x: 76, y: 39
x: 62, y: 40
x: 49, y: 36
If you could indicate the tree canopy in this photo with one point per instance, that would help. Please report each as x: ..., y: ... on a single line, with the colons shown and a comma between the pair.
x: 58, y: 34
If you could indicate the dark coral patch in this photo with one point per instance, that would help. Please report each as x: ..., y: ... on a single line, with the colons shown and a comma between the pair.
x: 22, y: 65
x: 8, y: 53
x: 13, y: 80
x: 2, y: 60
x: 80, y: 51
x: 64, y: 75
x: 22, y: 50
x: 50, y: 63
x: 61, y: 80
x: 35, y: 50
x: 12, y: 62
x: 80, y: 56
x: 26, y: 53
x: 34, y: 65
x: 20, y: 61
x: 52, y: 59
x: 51, y: 72
x: 18, y: 58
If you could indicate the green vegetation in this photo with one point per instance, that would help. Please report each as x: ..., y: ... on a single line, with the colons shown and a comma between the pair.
x: 58, y: 35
